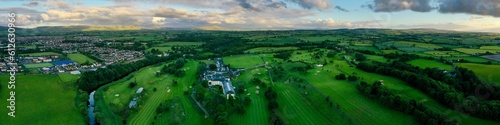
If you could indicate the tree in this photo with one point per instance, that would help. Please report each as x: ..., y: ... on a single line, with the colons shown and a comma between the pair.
x: 341, y: 76
x: 352, y: 78
x: 132, y: 84
x: 359, y: 57
x: 247, y: 101
x: 212, y: 67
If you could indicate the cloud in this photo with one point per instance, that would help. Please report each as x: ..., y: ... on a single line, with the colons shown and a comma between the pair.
x: 32, y: 4
x: 313, y: 4
x: 400, y: 5
x: 479, y: 7
x: 18, y: 10
x: 57, y: 4
x: 341, y: 9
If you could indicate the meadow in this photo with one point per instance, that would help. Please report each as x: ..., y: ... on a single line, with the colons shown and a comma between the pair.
x: 180, y: 44
x: 243, y: 61
x: 487, y: 73
x: 37, y: 65
x: 80, y: 58
x: 424, y: 63
x: 476, y: 51
x: 40, y: 54
x: 270, y: 49
x: 40, y: 100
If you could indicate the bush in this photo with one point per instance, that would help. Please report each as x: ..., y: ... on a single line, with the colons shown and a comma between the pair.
x: 352, y: 78
x: 132, y: 84
x: 341, y: 76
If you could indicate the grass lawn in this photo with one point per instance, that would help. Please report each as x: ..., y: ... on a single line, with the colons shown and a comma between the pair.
x: 243, y: 61
x: 80, y: 58
x: 358, y: 107
x: 40, y: 54
x: 40, y: 100
x: 145, y: 78
x: 66, y: 77
x: 485, y: 72
x: 270, y: 49
x: 424, y: 63
x: 37, y: 65
x: 257, y: 112
x: 180, y: 43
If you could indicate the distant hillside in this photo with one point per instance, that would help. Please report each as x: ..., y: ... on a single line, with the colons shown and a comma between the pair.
x: 127, y: 27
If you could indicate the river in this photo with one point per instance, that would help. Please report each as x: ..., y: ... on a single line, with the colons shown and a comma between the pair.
x: 91, y: 109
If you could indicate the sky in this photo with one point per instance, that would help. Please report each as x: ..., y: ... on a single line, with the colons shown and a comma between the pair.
x: 459, y: 15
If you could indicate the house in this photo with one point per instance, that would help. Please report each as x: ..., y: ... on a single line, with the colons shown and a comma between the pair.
x: 75, y: 72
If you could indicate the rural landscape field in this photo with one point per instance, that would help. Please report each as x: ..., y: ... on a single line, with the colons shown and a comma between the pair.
x: 242, y: 62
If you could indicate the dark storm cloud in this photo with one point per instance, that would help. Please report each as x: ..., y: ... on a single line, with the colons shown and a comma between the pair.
x: 245, y: 4
x: 400, y: 5
x: 480, y: 7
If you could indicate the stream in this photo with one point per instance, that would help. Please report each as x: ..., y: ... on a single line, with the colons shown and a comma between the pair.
x: 91, y: 109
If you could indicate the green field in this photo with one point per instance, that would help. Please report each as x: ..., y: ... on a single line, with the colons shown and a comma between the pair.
x: 469, y: 58
x: 424, y: 63
x: 80, y: 58
x: 180, y: 43
x: 446, y: 53
x: 370, y: 48
x: 40, y: 54
x: 243, y: 61
x: 415, y: 44
x: 485, y: 72
x: 495, y: 48
x: 359, y: 108
x: 475, y: 51
x: 257, y: 112
x: 161, y: 48
x: 37, y: 65
x: 147, y: 110
x: 40, y: 100
x: 66, y: 77
x: 270, y: 49
x: 402, y: 88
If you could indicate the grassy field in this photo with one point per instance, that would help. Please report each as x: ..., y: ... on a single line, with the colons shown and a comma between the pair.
x: 180, y: 43
x: 40, y: 54
x: 257, y: 112
x: 469, y: 58
x: 370, y: 48
x: 37, y: 65
x: 446, y: 53
x: 391, y: 51
x: 80, y: 58
x: 161, y: 48
x: 146, y: 78
x: 359, y: 108
x: 243, y: 61
x: 66, y: 77
x: 424, y: 63
x: 496, y: 48
x: 474, y: 51
x: 402, y: 88
x: 270, y: 49
x: 485, y: 72
x: 40, y: 100
x: 415, y: 44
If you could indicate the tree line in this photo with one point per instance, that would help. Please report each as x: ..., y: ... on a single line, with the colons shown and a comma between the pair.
x: 442, y: 91
x: 92, y: 80
x: 403, y: 104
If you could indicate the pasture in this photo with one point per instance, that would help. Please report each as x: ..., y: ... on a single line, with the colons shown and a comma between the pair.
x: 424, y: 63
x: 243, y: 61
x: 476, y: 51
x: 180, y: 44
x: 40, y: 99
x: 40, y: 54
x: 80, y: 58
x: 269, y: 49
x: 37, y: 65
x: 487, y: 73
